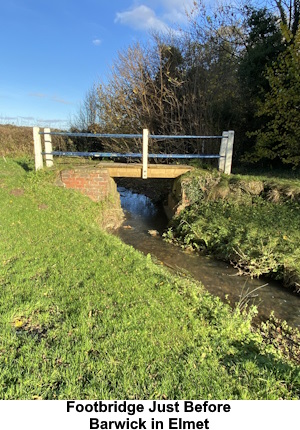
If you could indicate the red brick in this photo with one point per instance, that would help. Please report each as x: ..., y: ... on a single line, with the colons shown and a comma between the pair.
x: 94, y: 183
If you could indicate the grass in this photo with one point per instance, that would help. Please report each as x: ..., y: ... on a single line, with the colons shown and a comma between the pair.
x: 85, y: 316
x: 252, y: 221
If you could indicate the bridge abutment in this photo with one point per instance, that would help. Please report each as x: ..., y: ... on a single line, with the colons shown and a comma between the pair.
x: 91, y: 181
x: 97, y: 184
x: 177, y: 199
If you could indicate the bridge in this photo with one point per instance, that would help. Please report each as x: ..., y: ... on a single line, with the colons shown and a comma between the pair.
x: 122, y: 170
x: 145, y: 169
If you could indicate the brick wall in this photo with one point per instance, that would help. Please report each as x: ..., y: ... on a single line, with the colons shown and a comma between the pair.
x: 94, y: 182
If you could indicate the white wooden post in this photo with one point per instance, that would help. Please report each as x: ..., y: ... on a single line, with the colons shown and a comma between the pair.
x: 48, y: 147
x: 229, y: 151
x: 222, y: 153
x: 37, y: 148
x: 145, y: 153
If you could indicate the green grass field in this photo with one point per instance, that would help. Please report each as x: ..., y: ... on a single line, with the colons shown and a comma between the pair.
x: 85, y: 316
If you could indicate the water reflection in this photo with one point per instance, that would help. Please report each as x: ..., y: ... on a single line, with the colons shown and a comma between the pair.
x: 217, y: 277
x: 137, y: 204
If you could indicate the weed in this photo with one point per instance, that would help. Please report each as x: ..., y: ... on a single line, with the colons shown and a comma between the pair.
x: 282, y: 336
x: 246, y: 221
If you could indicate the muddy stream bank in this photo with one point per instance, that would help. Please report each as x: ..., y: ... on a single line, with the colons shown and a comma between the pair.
x: 217, y: 277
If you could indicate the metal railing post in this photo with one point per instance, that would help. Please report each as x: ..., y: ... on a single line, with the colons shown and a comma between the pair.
x: 48, y: 147
x: 38, y: 157
x: 229, y: 151
x: 145, y: 153
x: 223, y: 148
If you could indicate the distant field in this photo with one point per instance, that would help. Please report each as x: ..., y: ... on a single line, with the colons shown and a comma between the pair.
x: 16, y: 141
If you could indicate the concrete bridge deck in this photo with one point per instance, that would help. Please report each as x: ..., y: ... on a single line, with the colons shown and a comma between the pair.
x: 135, y: 170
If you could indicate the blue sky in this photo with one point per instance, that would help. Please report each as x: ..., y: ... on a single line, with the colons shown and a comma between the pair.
x: 52, y: 51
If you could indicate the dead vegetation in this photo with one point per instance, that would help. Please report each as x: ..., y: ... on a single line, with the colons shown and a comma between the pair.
x: 17, y: 141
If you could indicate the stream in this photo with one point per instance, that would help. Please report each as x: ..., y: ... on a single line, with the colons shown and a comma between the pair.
x: 218, y: 278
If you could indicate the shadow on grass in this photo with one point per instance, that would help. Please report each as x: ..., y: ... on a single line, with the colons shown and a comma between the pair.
x: 251, y: 361
x: 26, y: 163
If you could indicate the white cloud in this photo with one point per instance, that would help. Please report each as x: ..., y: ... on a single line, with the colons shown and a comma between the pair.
x: 60, y: 100
x: 54, y: 98
x: 30, y: 121
x: 51, y: 122
x: 176, y: 10
x: 141, y: 18
x: 38, y: 95
x: 155, y: 14
x: 97, y: 42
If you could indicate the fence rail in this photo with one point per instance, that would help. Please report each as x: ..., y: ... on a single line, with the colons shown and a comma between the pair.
x: 129, y: 136
x: 224, y: 156
x: 127, y: 155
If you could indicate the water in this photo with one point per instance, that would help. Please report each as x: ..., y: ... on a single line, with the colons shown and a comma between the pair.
x: 218, y: 278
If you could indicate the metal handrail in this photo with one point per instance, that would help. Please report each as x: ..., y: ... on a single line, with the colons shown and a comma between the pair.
x: 128, y: 136
x: 128, y: 155
x: 224, y: 156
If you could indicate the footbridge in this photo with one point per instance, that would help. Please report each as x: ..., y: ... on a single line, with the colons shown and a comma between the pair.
x: 135, y: 170
x: 142, y: 169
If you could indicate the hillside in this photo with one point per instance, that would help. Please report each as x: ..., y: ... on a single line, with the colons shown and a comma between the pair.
x: 15, y: 141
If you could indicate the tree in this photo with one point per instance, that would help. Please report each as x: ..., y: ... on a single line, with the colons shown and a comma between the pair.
x: 289, y: 14
x: 210, y: 79
x: 263, y: 45
x: 87, y: 121
x: 256, y: 37
x: 87, y: 115
x: 280, y: 137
